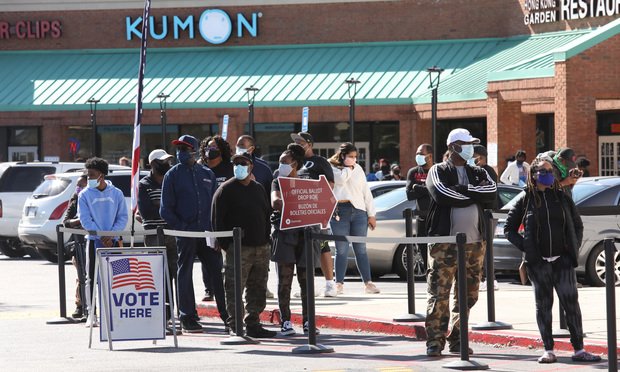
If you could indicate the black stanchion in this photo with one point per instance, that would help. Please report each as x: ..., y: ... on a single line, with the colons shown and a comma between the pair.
x: 465, y: 363
x: 491, y: 323
x: 238, y: 338
x: 60, y: 246
x: 161, y: 238
x: 562, y: 332
x: 610, y: 289
x: 411, y: 316
x: 312, y: 347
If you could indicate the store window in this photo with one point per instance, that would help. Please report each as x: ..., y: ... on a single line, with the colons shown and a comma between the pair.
x: 23, y: 143
x: 545, y: 140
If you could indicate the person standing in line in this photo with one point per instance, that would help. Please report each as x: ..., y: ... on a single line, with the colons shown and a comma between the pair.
x: 459, y: 193
x: 149, y: 202
x: 315, y: 166
x: 288, y: 247
x: 568, y: 172
x: 516, y: 171
x: 72, y: 220
x: 101, y: 207
x: 242, y: 202
x: 187, y: 193
x: 372, y: 176
x: 552, y: 235
x: 583, y: 164
x: 354, y: 214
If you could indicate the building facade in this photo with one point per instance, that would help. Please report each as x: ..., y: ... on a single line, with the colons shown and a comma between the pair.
x: 519, y: 74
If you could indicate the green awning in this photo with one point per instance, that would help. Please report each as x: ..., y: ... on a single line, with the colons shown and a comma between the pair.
x: 305, y: 75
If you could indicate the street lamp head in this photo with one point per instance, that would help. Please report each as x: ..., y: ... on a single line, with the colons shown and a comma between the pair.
x: 162, y: 95
x: 251, y: 93
x: 352, y: 83
x: 92, y: 100
x: 434, y: 73
x: 251, y: 88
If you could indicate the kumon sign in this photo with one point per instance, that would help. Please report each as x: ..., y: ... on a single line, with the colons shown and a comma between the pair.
x: 548, y: 11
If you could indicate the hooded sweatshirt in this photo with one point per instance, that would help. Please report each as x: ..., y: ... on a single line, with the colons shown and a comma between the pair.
x: 102, y: 210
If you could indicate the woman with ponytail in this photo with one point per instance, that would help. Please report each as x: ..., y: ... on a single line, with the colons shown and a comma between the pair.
x: 551, y: 239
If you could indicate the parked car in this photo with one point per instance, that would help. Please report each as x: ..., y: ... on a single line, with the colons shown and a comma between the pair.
x: 378, y: 188
x: 45, y: 208
x: 386, y: 258
x: 598, y: 202
x: 17, y: 181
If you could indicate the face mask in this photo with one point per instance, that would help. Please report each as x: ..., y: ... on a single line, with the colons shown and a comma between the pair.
x: 93, y: 183
x: 420, y: 160
x: 519, y: 162
x: 396, y: 171
x: 284, y: 169
x: 78, y: 189
x: 240, y: 150
x: 467, y: 152
x: 546, y: 179
x: 385, y: 169
x: 183, y: 156
x: 241, y: 171
x: 349, y: 162
x: 212, y: 153
x: 161, y: 168
x: 471, y: 161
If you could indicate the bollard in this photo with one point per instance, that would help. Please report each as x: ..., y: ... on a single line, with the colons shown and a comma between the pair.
x: 239, y: 338
x: 562, y: 332
x: 464, y: 363
x: 490, y: 324
x: 60, y: 246
x: 610, y: 289
x: 411, y: 316
x: 312, y: 347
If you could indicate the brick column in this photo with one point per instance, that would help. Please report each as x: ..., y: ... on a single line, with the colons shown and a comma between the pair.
x: 412, y: 132
x: 504, y: 127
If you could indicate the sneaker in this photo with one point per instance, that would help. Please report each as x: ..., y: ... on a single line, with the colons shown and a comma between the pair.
x: 339, y: 288
x: 483, y: 286
x: 496, y: 285
x: 78, y: 313
x: 548, y: 357
x: 330, y: 289
x: 208, y: 297
x: 456, y: 349
x: 190, y: 325
x: 287, y: 329
x: 306, y: 328
x: 95, y: 323
x: 258, y: 331
x: 371, y: 288
x: 269, y: 294
x: 584, y: 356
x: 433, y: 351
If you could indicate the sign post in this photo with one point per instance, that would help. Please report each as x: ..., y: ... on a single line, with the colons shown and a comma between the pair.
x: 304, y: 119
x: 225, y: 127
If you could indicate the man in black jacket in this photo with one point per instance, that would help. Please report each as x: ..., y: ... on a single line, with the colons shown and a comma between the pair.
x: 416, y: 178
x: 459, y: 192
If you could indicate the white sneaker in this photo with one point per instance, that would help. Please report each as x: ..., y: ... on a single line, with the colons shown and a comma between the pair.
x: 371, y: 288
x: 496, y: 285
x: 483, y: 286
x: 269, y: 294
x: 95, y: 323
x: 287, y: 329
x: 339, y: 288
x: 330, y: 289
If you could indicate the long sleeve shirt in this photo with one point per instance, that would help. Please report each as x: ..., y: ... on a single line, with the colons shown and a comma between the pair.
x: 350, y: 184
x: 102, y: 210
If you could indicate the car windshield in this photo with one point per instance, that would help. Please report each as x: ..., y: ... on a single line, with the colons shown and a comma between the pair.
x: 50, y: 187
x: 23, y: 179
x: 584, y: 190
x: 390, y: 199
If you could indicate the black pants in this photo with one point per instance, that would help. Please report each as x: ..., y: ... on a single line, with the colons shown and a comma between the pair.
x: 285, y: 280
x: 171, y: 257
x: 559, y: 274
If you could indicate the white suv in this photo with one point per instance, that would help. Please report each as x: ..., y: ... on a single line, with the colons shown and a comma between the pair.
x: 45, y: 209
x: 17, y: 181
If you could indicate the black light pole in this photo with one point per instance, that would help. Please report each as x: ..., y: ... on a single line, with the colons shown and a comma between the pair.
x: 162, y: 115
x: 93, y: 122
x: 251, y: 95
x: 434, y: 73
x: 352, y: 83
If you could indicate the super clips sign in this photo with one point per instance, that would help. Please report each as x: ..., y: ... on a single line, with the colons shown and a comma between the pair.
x: 548, y: 11
x: 214, y: 25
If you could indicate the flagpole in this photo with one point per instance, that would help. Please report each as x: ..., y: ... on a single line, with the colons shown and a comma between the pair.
x: 135, y: 158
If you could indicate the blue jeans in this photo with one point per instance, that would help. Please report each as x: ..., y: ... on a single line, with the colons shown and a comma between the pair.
x: 353, y: 222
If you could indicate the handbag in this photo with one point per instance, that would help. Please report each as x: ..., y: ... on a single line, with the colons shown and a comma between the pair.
x: 523, y: 273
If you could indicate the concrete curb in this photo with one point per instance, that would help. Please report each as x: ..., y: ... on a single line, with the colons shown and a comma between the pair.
x: 415, y: 330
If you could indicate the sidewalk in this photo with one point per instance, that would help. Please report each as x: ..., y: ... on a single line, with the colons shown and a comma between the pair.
x: 357, y: 311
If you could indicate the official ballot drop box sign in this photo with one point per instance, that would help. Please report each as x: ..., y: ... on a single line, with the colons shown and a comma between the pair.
x: 136, y: 296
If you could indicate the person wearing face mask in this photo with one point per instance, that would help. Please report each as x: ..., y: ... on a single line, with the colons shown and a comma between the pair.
x: 416, y: 178
x: 242, y: 202
x: 260, y: 170
x: 186, y: 196
x: 72, y: 220
x: 567, y: 171
x: 516, y: 171
x: 101, y: 207
x: 552, y: 235
x: 459, y: 193
x: 288, y: 248
x: 354, y: 214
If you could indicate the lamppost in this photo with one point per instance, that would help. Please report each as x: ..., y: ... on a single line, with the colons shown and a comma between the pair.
x: 434, y: 73
x: 93, y: 122
x: 251, y: 90
x: 162, y: 115
x: 352, y: 85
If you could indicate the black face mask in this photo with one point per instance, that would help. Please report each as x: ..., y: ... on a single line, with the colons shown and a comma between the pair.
x: 396, y: 172
x: 385, y: 169
x: 161, y: 168
x: 213, y: 154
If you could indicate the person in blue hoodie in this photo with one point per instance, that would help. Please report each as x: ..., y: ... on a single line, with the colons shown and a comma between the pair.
x: 187, y: 192
x: 101, y: 207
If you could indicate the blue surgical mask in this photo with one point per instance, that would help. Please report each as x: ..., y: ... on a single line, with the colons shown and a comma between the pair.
x: 545, y: 179
x: 284, y: 170
x: 467, y: 152
x: 183, y: 156
x: 93, y: 183
x: 420, y: 160
x: 241, y: 171
x: 240, y: 150
x: 471, y: 161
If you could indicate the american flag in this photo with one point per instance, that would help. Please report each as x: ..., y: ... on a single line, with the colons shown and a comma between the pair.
x: 131, y: 271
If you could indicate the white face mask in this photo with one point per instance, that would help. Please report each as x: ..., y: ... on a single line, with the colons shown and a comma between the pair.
x: 420, y: 159
x: 284, y: 170
x: 471, y: 161
x: 240, y: 150
x: 349, y: 162
x: 467, y: 152
x: 93, y: 183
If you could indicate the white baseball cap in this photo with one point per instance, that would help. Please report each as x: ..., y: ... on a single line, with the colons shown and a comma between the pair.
x: 460, y: 134
x: 159, y: 154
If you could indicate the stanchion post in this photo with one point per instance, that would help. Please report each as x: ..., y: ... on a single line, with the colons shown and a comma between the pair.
x: 464, y: 363
x: 490, y: 324
x: 610, y: 288
x: 562, y: 332
x: 239, y: 338
x: 312, y: 347
x: 60, y: 246
x: 161, y: 239
x: 411, y: 316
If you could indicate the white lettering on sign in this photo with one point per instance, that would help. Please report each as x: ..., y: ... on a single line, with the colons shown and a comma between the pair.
x: 547, y: 11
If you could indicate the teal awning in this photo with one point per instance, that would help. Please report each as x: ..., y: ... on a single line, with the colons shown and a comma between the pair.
x: 307, y: 75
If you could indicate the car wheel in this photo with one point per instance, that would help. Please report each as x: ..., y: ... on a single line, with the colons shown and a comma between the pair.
x: 419, y: 261
x: 12, y: 248
x: 33, y: 253
x: 595, y: 266
x: 52, y: 256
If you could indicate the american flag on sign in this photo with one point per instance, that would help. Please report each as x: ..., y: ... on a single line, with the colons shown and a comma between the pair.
x: 131, y: 271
